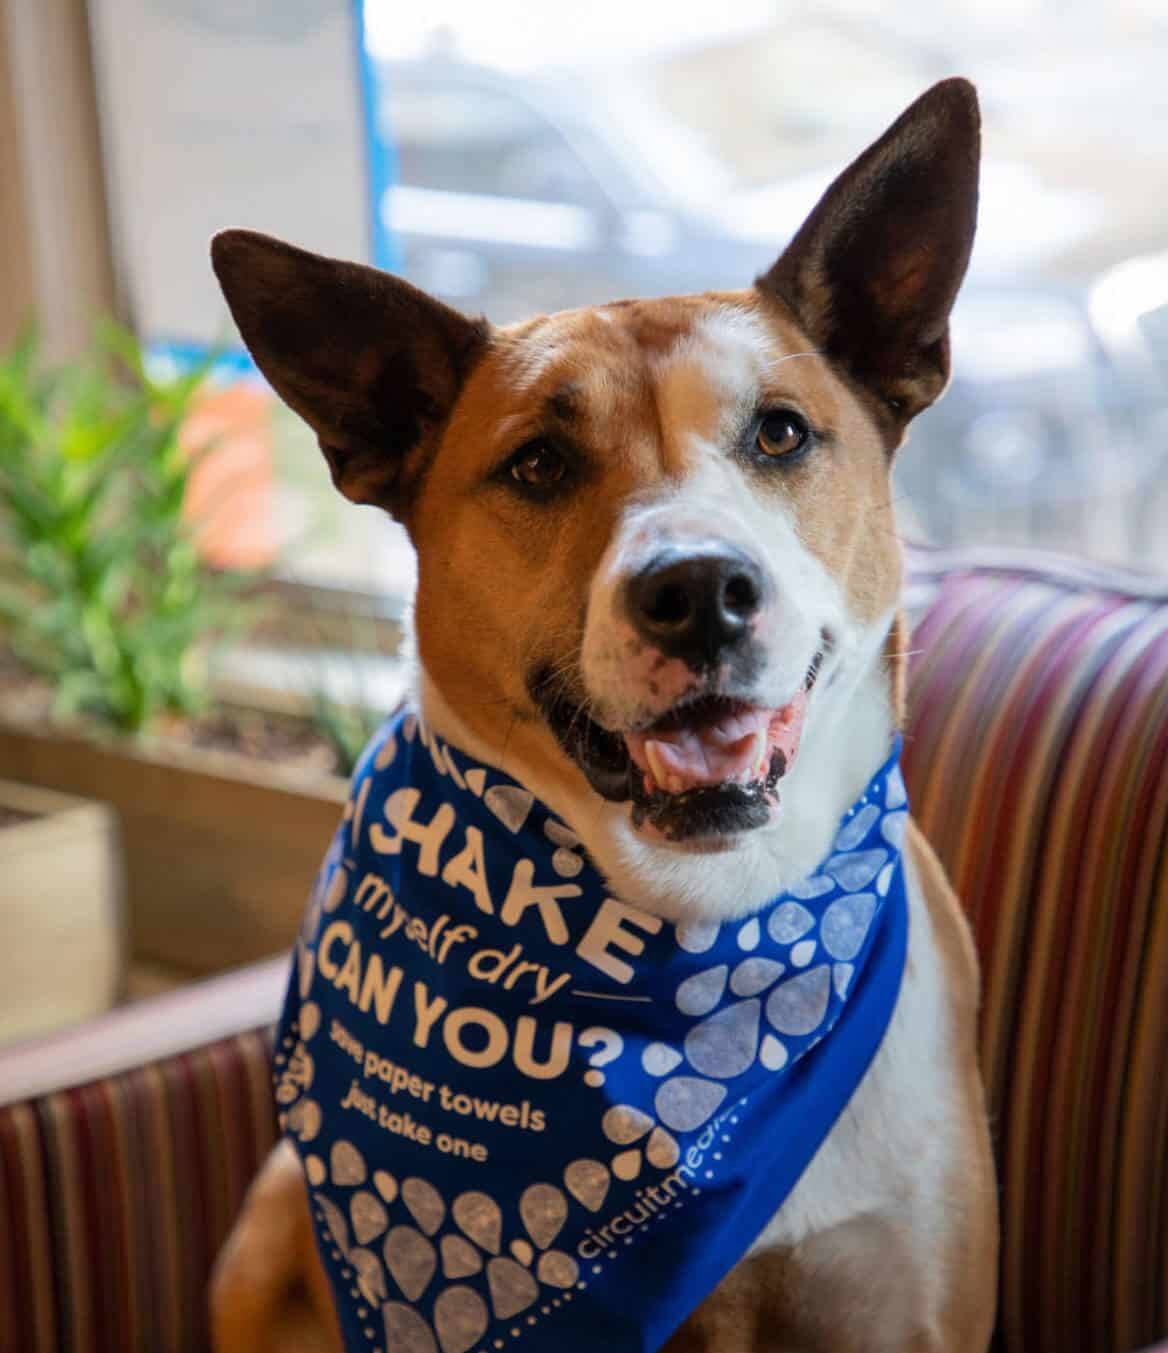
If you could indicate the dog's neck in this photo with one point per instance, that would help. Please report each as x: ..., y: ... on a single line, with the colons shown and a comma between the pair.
x: 847, y: 736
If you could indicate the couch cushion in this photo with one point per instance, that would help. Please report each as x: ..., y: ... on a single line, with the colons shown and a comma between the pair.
x: 1037, y: 760
x: 1037, y: 755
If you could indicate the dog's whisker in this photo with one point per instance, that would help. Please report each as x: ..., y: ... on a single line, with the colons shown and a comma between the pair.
x: 790, y: 356
x: 506, y: 744
x: 485, y: 702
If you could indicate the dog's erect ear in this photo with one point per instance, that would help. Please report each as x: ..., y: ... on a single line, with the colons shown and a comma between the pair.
x: 371, y: 363
x: 874, y: 271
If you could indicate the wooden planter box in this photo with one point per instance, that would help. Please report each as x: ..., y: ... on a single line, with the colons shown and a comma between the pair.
x: 63, y: 953
x: 220, y: 851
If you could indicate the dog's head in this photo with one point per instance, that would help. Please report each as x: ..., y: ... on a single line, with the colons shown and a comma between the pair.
x: 650, y: 534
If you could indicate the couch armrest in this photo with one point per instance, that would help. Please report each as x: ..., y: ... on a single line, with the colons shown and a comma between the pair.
x: 126, y: 1148
x: 147, y: 1031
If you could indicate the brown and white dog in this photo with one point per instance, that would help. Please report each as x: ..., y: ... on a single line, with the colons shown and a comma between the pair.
x: 657, y: 558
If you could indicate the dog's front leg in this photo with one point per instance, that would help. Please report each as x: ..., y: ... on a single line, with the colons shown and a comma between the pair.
x: 859, y: 1287
x: 269, y: 1293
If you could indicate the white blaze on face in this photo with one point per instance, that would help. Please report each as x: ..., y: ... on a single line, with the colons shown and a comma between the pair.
x: 710, y: 380
x: 706, y: 389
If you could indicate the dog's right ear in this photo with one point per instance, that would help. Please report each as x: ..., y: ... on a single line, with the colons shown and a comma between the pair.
x: 372, y: 364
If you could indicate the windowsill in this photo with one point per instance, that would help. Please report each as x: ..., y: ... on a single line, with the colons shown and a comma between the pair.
x: 320, y: 614
x: 291, y: 680
x: 311, y: 641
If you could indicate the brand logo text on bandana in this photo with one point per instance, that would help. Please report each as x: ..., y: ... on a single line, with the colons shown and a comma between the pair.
x: 531, y: 1115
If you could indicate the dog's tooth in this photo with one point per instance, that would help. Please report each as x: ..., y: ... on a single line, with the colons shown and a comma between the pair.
x: 656, y: 762
x: 760, y: 751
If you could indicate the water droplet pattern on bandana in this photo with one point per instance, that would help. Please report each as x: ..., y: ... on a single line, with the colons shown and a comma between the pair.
x: 531, y: 1115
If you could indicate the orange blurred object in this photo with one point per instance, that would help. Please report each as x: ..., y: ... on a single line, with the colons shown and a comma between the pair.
x: 231, y: 497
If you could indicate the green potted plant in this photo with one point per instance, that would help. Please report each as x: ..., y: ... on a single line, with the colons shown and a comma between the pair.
x: 109, y: 613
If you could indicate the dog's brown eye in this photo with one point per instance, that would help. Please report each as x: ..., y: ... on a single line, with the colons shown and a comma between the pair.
x: 540, y: 467
x: 782, y: 433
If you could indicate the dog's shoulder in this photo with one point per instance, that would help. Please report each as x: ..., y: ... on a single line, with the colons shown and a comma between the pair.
x: 952, y: 935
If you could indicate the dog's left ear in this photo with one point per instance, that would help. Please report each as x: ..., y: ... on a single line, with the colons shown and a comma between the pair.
x: 874, y: 271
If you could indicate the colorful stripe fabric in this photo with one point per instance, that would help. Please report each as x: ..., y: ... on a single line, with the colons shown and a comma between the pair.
x: 1037, y: 760
x: 115, y: 1197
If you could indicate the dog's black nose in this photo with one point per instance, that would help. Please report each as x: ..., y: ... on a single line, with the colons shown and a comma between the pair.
x: 694, y: 604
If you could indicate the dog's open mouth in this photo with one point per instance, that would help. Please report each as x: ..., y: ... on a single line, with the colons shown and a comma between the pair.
x: 712, y: 767
x: 709, y: 768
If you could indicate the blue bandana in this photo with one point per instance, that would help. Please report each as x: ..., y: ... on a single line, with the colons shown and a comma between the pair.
x: 532, y: 1116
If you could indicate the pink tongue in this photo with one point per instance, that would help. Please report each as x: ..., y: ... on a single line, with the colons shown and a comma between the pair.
x: 735, y: 749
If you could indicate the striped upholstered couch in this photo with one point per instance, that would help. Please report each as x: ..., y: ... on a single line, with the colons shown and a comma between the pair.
x: 1037, y: 756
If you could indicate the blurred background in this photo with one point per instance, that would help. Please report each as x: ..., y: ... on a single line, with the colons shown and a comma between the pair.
x: 175, y: 568
x: 514, y: 158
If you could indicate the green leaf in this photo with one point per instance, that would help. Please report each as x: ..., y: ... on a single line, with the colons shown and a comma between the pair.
x: 101, y: 584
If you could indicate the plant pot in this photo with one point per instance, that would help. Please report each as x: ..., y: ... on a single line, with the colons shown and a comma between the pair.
x: 220, y: 850
x: 231, y: 496
x: 61, y: 903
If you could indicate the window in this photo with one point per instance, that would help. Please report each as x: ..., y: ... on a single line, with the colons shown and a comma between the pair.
x: 515, y: 159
